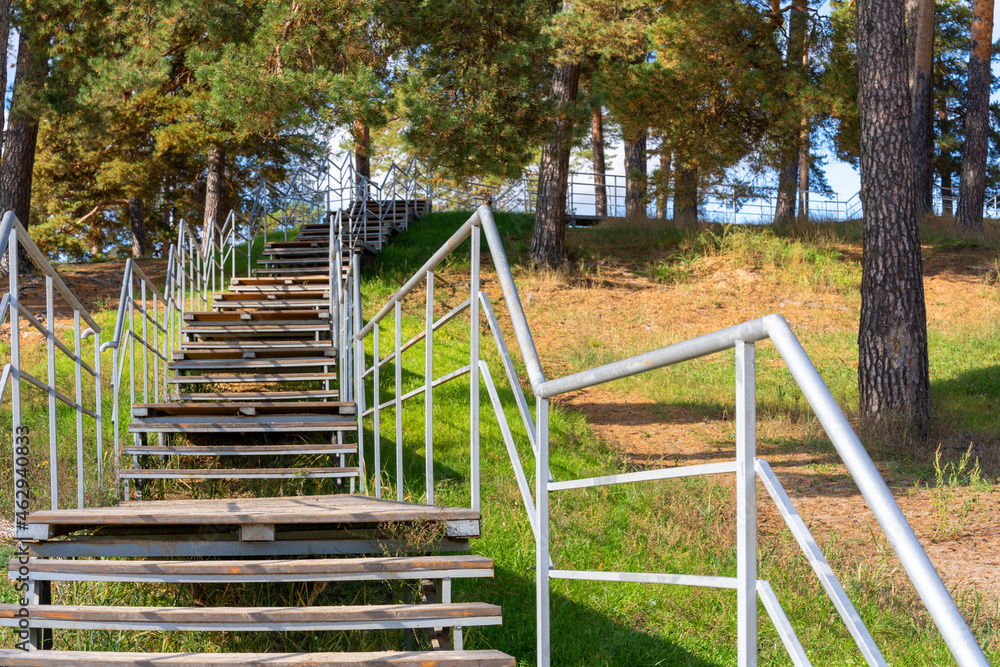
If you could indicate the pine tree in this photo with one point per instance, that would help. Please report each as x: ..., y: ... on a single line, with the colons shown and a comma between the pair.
x: 972, y: 185
x: 893, y: 374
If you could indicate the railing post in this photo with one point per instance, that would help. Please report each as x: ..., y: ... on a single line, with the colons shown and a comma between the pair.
x: 542, y: 608
x: 746, y: 506
x: 474, y: 325
x: 399, y: 401
x: 429, y: 391
x: 17, y: 435
x: 50, y: 324
x: 377, y: 417
x: 78, y: 351
x: 359, y: 368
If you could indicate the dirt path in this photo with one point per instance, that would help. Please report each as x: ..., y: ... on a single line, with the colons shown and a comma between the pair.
x: 958, y: 527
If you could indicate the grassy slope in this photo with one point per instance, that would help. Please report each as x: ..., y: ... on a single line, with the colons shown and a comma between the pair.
x: 685, y: 526
x: 679, y: 526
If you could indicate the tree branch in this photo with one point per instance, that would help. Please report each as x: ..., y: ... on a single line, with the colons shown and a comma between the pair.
x: 100, y: 205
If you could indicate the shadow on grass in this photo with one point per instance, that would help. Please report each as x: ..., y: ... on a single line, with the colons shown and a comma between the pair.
x: 580, y: 635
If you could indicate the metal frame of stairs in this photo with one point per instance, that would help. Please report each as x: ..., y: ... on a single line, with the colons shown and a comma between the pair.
x: 271, y: 355
x: 259, y: 363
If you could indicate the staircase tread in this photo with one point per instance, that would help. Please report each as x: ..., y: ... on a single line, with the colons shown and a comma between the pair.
x: 290, y: 567
x: 329, y: 509
x: 221, y: 378
x: 249, y: 618
x: 18, y: 658
x: 237, y: 450
x: 236, y: 473
x: 254, y: 395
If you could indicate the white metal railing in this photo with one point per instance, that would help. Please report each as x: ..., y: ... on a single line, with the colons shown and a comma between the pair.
x: 747, y: 467
x: 14, y: 239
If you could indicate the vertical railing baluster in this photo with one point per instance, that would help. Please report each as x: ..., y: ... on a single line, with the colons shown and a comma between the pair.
x: 399, y: 400
x: 359, y: 368
x: 474, y: 325
x: 79, y: 409
x: 746, y: 506
x: 542, y: 557
x: 17, y: 435
x: 145, y: 343
x: 50, y: 325
x: 429, y: 391
x: 98, y: 408
x: 377, y: 422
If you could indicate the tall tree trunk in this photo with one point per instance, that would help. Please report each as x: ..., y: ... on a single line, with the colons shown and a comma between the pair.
x: 892, y: 339
x: 947, y: 193
x: 548, y: 238
x: 788, y: 175
x: 597, y: 143
x: 137, y: 221
x: 635, y: 175
x: 920, y: 29
x: 215, y: 196
x: 663, y: 184
x: 686, y: 197
x: 362, y: 145
x: 972, y: 182
x: 5, y: 39
x: 805, y: 147
x: 19, y: 156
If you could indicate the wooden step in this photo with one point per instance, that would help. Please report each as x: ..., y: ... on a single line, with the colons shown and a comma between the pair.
x: 233, y: 365
x: 239, y: 450
x: 259, y: 424
x: 238, y: 473
x: 288, y: 316
x: 292, y: 296
x: 257, y: 619
x: 309, y: 569
x: 286, y: 272
x: 253, y: 395
x: 227, y: 378
x: 320, y: 280
x: 243, y: 409
x: 18, y: 658
x: 268, y: 330
x: 224, y: 304
x: 246, y: 352
x: 319, y: 346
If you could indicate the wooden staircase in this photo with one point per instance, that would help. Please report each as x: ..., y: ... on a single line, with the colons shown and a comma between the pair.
x: 252, y: 397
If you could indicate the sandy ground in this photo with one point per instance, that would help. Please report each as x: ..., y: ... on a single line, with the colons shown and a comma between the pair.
x: 960, y: 530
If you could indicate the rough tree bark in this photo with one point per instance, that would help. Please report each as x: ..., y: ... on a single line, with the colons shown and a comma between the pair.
x: 597, y: 143
x: 137, y: 221
x: 548, y: 238
x: 215, y: 196
x: 920, y: 31
x: 635, y: 175
x: 972, y: 182
x: 788, y: 174
x: 686, y: 197
x: 19, y: 156
x: 362, y: 144
x: 4, y: 38
x: 663, y: 187
x: 805, y: 146
x: 892, y: 338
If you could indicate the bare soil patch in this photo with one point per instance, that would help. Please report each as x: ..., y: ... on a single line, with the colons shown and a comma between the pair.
x: 615, y: 307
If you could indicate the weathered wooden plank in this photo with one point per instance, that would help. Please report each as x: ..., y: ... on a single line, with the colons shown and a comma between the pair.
x: 330, y: 509
x: 238, y: 450
x: 237, y: 407
x: 254, y: 395
x: 225, y: 378
x: 17, y: 658
x: 320, y: 425
x: 284, y: 362
x: 311, y: 569
x: 257, y: 619
x: 257, y: 532
x: 238, y: 473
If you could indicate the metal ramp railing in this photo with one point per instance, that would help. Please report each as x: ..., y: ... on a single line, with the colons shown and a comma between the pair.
x: 747, y: 467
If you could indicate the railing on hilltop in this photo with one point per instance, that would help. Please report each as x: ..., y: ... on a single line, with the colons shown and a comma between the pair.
x: 14, y: 239
x: 747, y: 467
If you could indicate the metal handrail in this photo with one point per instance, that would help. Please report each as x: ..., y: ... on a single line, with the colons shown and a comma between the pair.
x: 741, y: 337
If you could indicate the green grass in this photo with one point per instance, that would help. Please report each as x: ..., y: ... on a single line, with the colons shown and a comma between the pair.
x: 671, y: 526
